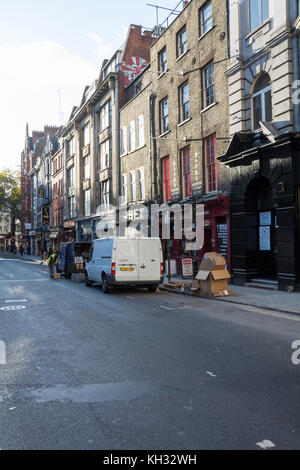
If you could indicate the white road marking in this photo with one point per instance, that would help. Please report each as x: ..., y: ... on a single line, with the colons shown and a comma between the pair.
x: 16, y: 301
x: 176, y: 308
x: 2, y: 353
x: 265, y: 444
x: 25, y: 280
x: 131, y: 298
x: 13, y: 307
x: 211, y: 374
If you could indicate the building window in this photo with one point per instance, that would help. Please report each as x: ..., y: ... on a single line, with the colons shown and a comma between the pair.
x: 86, y: 135
x: 262, y: 101
x: 258, y: 13
x: 124, y: 188
x: 141, y: 176
x: 162, y: 60
x: 87, y: 203
x: 138, y: 87
x: 71, y: 207
x: 87, y: 168
x: 184, y: 97
x: 186, y: 172
x: 208, y: 85
x: 105, y: 116
x: 166, y: 179
x: 206, y: 22
x: 131, y: 136
x: 105, y: 194
x: 210, y: 145
x: 70, y: 148
x: 70, y: 177
x: 105, y: 152
x: 123, y: 140
x: 181, y: 41
x: 132, y: 186
x: 164, y: 115
x: 141, y: 131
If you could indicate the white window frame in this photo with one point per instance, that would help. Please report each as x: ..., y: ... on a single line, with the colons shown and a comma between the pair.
x: 87, y: 203
x: 141, y: 180
x: 124, y: 140
x: 132, y: 136
x: 124, y: 187
x: 132, y: 186
x: 105, y: 195
x: 181, y: 47
x: 140, y: 131
x: 162, y: 64
x: 86, y: 135
x: 182, y: 104
x: 259, y: 13
x: 87, y: 167
x: 105, y: 152
x: 262, y: 94
x: 205, y: 88
x: 210, y: 18
x: 105, y: 116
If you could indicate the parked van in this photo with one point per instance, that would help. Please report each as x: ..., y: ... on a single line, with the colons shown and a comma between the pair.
x: 72, y: 258
x: 121, y: 261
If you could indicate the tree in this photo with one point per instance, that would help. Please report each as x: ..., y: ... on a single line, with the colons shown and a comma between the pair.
x: 10, y: 196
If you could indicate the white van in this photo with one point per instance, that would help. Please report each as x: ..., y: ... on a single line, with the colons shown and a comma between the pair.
x: 121, y: 261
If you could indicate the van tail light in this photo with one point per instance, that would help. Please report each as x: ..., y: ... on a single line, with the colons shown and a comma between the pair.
x: 162, y: 269
x: 113, y: 269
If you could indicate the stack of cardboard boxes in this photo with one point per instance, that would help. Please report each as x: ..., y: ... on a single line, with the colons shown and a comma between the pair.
x: 213, y: 277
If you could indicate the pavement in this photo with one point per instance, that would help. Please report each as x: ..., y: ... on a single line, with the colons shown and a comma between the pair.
x: 82, y: 370
x: 284, y: 302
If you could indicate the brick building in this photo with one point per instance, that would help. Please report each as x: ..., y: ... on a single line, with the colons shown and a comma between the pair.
x: 57, y: 183
x: 189, y: 97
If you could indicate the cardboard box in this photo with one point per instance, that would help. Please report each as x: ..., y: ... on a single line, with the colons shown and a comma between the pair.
x: 213, y: 276
x: 57, y: 276
x: 78, y: 277
x: 212, y: 262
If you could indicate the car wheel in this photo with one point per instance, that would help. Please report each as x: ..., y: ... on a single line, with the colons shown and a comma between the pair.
x: 105, y: 288
x: 152, y: 288
x: 87, y: 281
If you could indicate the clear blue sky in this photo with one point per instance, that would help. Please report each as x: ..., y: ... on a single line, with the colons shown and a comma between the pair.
x: 56, y: 45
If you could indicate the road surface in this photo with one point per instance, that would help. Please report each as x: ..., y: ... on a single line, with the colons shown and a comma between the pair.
x: 133, y: 370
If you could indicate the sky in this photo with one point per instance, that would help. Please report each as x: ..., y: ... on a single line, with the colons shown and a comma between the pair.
x: 49, y: 51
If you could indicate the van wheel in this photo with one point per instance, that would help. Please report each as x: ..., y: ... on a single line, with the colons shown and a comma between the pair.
x: 105, y: 288
x: 87, y: 281
x: 152, y: 288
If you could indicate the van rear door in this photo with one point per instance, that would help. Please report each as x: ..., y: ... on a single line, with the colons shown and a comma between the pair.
x: 127, y: 253
x: 150, y: 259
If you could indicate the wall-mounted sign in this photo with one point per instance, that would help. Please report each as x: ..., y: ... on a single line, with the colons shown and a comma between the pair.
x: 41, y: 192
x: 265, y: 218
x: 27, y: 226
x: 265, y: 238
x: 46, y: 215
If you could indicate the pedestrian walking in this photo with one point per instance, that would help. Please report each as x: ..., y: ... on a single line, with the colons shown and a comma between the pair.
x: 21, y: 249
x: 51, y: 261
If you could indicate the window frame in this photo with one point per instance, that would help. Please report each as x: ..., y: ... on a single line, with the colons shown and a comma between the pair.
x: 124, y: 187
x: 105, y: 195
x: 105, y: 156
x: 88, y: 212
x: 211, y: 168
x: 132, y: 186
x: 105, y: 116
x: 140, y: 131
x: 183, y: 116
x: 87, y: 167
x: 85, y: 134
x: 201, y: 22
x: 186, y: 180
x: 167, y: 197
x: 259, y: 14
x: 131, y: 136
x: 180, y: 44
x: 124, y: 140
x: 162, y: 64
x: 212, y: 85
x: 163, y: 117
x: 141, y: 182
x: 262, y: 94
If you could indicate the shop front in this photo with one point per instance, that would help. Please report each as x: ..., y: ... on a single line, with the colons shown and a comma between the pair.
x: 264, y: 210
x: 69, y: 231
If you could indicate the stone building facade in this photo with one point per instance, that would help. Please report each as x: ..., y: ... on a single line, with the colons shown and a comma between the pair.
x: 263, y: 155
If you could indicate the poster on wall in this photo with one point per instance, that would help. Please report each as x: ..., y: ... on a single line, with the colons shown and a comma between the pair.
x: 265, y: 218
x: 222, y: 239
x: 265, y: 238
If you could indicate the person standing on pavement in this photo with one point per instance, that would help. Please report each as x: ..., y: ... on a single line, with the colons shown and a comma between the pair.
x: 21, y: 249
x: 51, y: 261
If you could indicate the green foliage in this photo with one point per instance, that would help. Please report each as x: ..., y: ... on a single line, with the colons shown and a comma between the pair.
x: 10, y: 193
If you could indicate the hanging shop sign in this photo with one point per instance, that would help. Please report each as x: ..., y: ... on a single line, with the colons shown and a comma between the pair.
x: 41, y: 192
x: 46, y: 215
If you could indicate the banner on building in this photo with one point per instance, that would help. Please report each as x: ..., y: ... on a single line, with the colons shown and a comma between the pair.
x: 46, y: 215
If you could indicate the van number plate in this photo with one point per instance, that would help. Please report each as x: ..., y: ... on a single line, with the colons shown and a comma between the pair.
x: 127, y: 269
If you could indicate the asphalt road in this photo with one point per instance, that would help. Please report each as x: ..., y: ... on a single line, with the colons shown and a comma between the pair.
x: 135, y: 370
